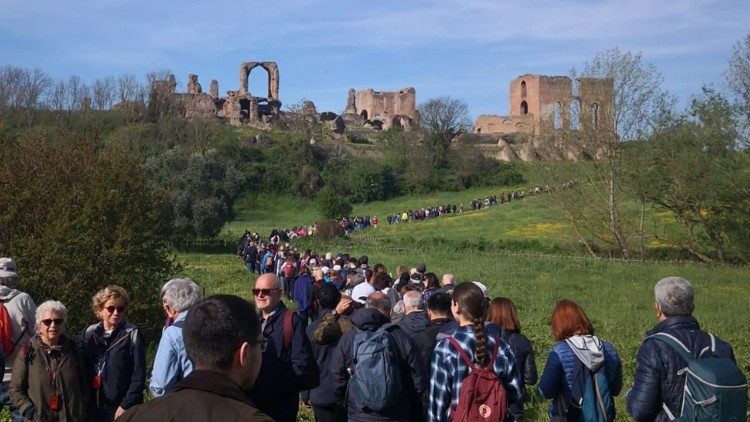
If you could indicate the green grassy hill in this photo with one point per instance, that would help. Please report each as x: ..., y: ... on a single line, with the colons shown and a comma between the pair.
x: 519, y: 250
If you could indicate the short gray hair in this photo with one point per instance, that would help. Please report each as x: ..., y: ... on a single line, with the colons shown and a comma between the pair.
x: 413, y: 300
x: 50, y: 305
x: 398, y: 310
x: 181, y: 293
x: 675, y: 296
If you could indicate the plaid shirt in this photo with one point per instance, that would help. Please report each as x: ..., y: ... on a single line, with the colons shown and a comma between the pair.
x: 449, y: 370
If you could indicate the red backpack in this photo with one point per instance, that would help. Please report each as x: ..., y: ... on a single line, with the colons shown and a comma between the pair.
x: 6, y: 331
x: 482, y: 397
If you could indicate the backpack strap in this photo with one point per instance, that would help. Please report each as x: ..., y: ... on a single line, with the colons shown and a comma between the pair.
x: 677, y: 345
x: 287, y: 329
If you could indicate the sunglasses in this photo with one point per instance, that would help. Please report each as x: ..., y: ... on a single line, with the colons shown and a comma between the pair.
x: 264, y: 292
x: 112, y: 309
x: 57, y: 321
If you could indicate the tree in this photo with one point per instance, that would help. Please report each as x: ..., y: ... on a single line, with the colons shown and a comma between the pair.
x: 738, y: 79
x: 77, y: 219
x: 331, y: 205
x: 592, y: 204
x: 692, y: 169
x: 442, y: 118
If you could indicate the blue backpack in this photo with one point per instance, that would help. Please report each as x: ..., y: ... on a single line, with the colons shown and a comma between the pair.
x: 591, y: 400
x: 715, y: 388
x: 376, y: 382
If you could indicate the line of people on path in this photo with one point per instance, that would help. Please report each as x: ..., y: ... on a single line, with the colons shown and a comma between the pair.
x: 368, y: 347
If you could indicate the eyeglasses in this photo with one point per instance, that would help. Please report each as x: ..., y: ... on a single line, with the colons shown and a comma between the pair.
x: 57, y: 321
x: 264, y: 292
x: 112, y: 309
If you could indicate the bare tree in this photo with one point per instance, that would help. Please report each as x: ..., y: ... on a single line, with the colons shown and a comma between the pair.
x: 103, y: 93
x: 593, y: 202
x: 21, y: 92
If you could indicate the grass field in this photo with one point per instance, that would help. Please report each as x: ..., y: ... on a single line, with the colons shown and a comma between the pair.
x: 519, y: 251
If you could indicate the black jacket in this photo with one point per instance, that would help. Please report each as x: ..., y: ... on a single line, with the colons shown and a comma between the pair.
x: 369, y: 319
x: 656, y: 380
x: 413, y: 323
x: 276, y: 391
x: 324, y: 394
x: 425, y: 340
x: 201, y: 396
x: 526, y: 364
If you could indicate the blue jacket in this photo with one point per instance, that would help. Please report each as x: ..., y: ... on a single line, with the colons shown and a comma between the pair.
x: 121, y: 361
x: 324, y: 394
x: 276, y: 391
x: 302, y: 292
x: 557, y: 377
x: 171, y: 363
x: 656, y: 381
x: 414, y: 379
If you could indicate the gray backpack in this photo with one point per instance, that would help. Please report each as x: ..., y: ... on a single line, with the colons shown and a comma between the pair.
x: 376, y: 383
x: 715, y: 388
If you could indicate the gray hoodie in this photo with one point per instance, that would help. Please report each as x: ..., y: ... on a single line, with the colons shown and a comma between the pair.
x: 22, y: 313
x: 588, y: 349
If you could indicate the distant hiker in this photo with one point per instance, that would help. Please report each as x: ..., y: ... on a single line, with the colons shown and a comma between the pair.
x: 660, y: 382
x: 577, y: 359
x: 503, y: 313
x: 223, y: 340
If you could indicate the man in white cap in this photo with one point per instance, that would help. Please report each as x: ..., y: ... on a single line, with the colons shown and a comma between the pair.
x: 21, y: 310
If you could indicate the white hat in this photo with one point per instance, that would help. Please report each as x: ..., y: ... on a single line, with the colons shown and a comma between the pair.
x: 8, y: 264
x: 483, y: 287
x: 336, y: 268
x: 325, y: 270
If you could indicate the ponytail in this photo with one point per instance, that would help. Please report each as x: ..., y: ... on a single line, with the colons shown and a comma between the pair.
x: 481, y: 342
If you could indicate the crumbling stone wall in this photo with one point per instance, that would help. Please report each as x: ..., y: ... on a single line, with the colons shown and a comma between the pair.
x: 378, y: 105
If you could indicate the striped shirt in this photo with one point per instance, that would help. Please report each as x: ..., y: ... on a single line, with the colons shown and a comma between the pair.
x: 448, y: 371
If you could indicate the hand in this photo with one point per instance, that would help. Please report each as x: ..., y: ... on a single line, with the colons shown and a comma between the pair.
x: 344, y: 305
x: 119, y: 412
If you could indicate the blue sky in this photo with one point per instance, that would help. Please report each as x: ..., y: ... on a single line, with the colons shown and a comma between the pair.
x: 468, y: 49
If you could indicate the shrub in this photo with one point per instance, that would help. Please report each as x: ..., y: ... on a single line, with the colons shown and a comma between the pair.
x: 328, y: 229
x: 332, y: 205
x: 76, y: 220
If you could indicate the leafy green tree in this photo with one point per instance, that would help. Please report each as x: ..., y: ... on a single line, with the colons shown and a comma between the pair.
x: 332, y: 205
x: 692, y: 169
x: 77, y: 219
x: 201, y: 186
x: 442, y: 118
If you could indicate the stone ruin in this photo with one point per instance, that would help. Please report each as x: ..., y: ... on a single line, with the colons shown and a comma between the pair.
x: 536, y: 101
x: 239, y: 107
x: 382, y: 110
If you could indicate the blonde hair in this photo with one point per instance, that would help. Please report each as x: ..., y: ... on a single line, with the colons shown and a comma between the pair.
x: 104, y: 295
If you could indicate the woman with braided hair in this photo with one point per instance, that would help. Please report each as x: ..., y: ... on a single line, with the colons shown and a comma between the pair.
x: 469, y: 343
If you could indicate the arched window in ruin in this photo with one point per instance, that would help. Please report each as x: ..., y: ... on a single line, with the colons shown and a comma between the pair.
x: 575, y: 114
x: 557, y: 122
x: 363, y: 114
x: 523, y: 89
x: 524, y: 107
x: 595, y: 115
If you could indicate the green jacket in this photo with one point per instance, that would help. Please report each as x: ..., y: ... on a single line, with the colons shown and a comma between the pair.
x: 31, y: 384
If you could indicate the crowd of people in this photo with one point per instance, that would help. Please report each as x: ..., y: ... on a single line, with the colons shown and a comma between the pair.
x: 361, y: 345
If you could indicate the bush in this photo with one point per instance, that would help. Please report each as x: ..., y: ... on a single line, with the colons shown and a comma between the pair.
x: 332, y: 205
x: 370, y: 181
x: 76, y: 220
x: 328, y: 229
